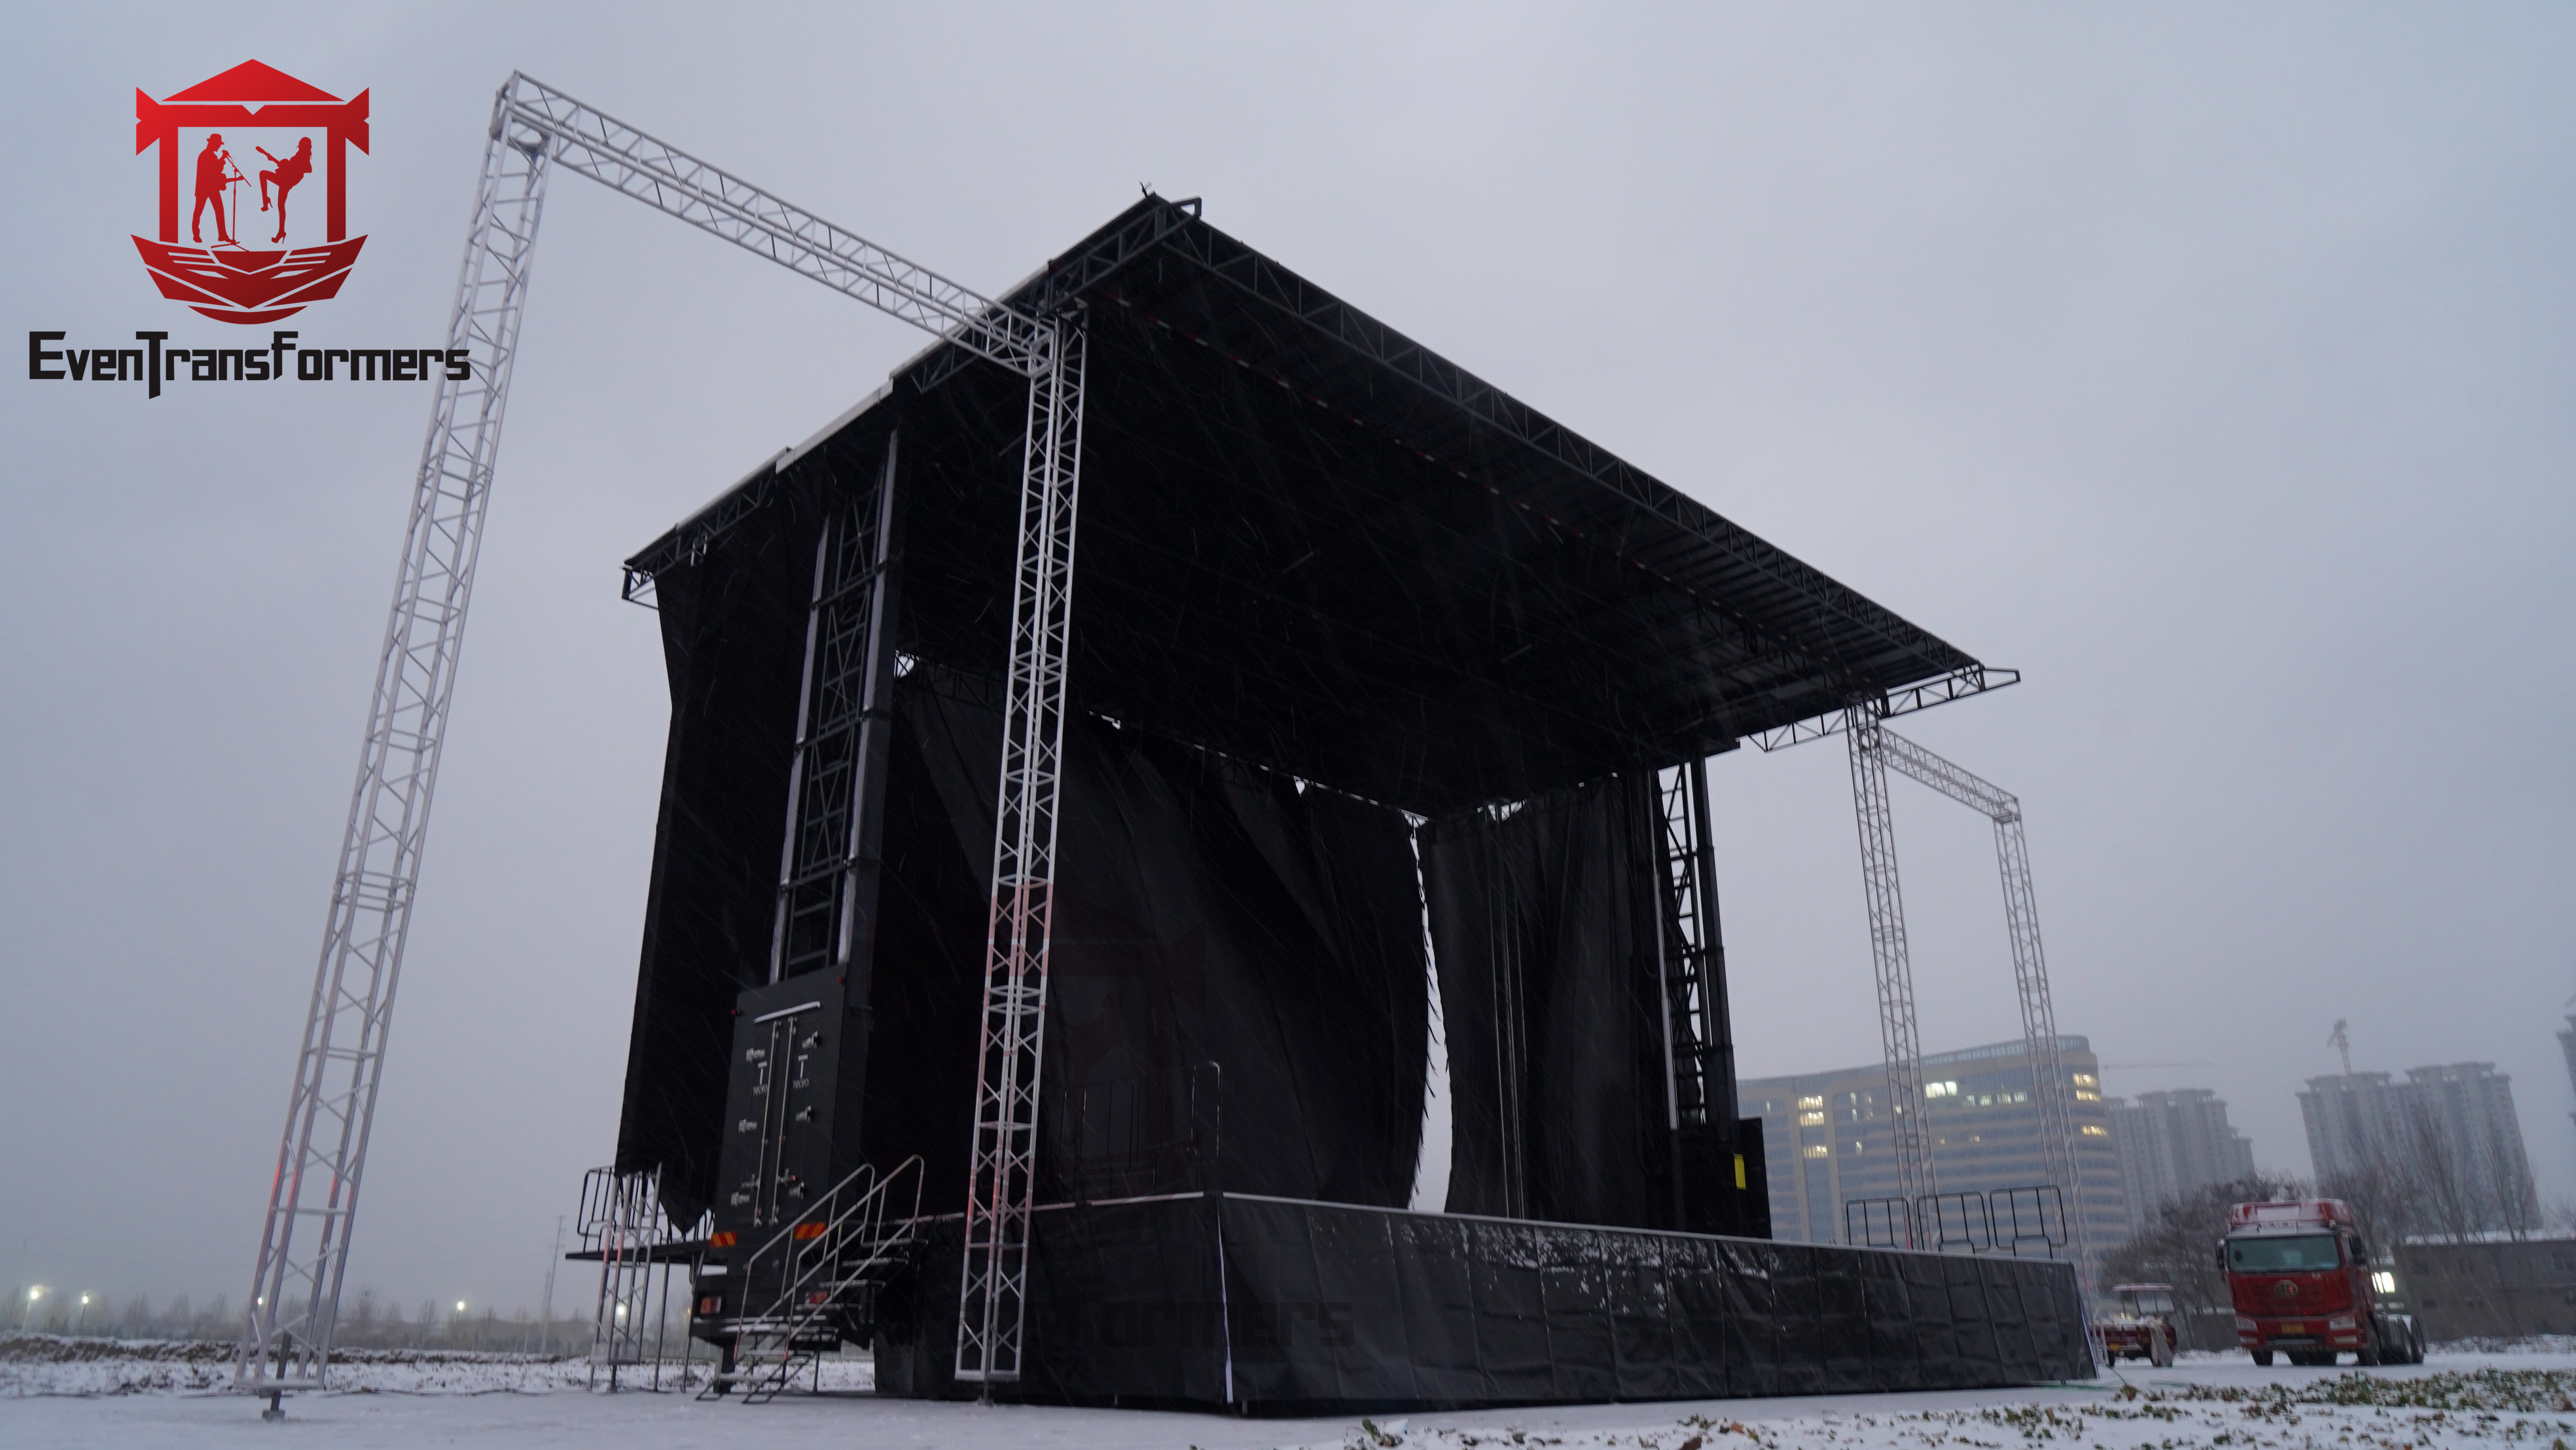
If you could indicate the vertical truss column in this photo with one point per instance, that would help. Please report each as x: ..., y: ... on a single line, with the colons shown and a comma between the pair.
x: 993, y: 1285
x: 828, y: 861
x: 1699, y: 1049
x: 1898, y: 1040
x: 2039, y: 1033
x: 321, y: 1158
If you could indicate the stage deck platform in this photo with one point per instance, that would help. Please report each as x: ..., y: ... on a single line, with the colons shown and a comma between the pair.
x: 1266, y: 1305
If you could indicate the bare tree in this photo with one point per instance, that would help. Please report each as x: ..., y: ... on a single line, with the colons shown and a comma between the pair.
x: 2390, y: 1195
x: 2419, y: 1180
x: 2450, y: 1190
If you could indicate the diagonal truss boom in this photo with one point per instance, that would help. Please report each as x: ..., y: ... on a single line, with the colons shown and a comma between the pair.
x: 582, y: 138
x: 321, y: 1158
x: 294, y: 1303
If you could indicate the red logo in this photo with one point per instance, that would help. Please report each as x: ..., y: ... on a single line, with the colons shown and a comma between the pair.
x: 255, y: 108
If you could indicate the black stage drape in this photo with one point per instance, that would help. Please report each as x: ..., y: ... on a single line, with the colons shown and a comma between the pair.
x: 1206, y: 913
x: 732, y: 642
x: 1235, y: 960
x: 1544, y: 923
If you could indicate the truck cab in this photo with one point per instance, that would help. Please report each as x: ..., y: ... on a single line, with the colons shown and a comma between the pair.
x: 2300, y: 1278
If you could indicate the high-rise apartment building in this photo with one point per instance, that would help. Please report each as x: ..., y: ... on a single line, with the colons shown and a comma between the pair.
x: 2174, y: 1143
x: 1826, y: 1140
x: 2452, y: 1130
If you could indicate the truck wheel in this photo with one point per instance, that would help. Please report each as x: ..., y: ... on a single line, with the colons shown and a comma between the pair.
x: 2263, y: 1357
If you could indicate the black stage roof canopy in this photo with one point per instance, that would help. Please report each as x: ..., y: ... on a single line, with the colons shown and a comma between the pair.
x: 1310, y: 543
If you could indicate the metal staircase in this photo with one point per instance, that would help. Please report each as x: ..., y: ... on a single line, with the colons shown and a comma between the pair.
x: 815, y: 1282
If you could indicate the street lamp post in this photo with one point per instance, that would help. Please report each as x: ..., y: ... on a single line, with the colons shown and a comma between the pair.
x: 29, y: 1317
x: 80, y: 1314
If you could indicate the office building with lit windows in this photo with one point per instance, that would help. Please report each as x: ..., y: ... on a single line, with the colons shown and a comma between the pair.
x: 1825, y: 1136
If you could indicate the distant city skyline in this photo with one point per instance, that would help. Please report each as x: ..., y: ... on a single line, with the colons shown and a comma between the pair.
x: 2451, y: 1128
x: 2174, y: 1141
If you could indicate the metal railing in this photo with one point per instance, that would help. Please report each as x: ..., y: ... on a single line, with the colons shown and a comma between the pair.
x: 2020, y: 1221
x: 825, y: 1262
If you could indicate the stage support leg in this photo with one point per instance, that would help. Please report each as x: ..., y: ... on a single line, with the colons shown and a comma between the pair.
x: 992, y: 1292
x: 1898, y: 1039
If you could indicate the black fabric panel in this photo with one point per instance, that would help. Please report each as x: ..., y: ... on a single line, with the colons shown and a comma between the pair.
x: 733, y: 643
x: 1209, y: 912
x: 1564, y: 888
x: 1336, y: 1307
x: 1327, y: 1307
x: 1124, y: 1308
x: 1206, y: 913
x: 934, y: 905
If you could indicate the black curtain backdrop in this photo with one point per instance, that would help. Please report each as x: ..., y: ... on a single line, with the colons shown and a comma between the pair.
x: 1234, y: 959
x: 732, y: 642
x: 1206, y: 912
x: 1544, y: 923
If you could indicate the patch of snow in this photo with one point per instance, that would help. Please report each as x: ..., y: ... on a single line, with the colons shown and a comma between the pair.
x: 504, y: 1402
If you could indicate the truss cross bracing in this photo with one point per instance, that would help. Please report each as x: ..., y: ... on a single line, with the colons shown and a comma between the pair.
x: 294, y: 1304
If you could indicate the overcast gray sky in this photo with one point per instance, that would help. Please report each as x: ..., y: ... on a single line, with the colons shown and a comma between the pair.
x: 2209, y: 363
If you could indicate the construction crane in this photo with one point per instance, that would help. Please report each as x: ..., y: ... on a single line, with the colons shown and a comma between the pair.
x: 321, y: 1160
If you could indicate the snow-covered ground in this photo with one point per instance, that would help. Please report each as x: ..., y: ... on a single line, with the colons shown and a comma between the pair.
x: 163, y: 1395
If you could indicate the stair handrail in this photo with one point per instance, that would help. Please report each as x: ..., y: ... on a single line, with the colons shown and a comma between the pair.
x: 786, y: 1231
x: 820, y: 1250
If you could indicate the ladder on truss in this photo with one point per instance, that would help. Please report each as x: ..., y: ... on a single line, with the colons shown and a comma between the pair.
x: 817, y: 1281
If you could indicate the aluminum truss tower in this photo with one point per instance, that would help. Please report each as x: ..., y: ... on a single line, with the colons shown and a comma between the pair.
x: 286, y: 1338
x: 992, y: 1303
x: 1899, y: 1042
x: 322, y: 1156
x: 2049, y: 1084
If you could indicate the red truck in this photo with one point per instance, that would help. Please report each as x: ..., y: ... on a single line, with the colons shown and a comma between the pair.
x: 2303, y: 1286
